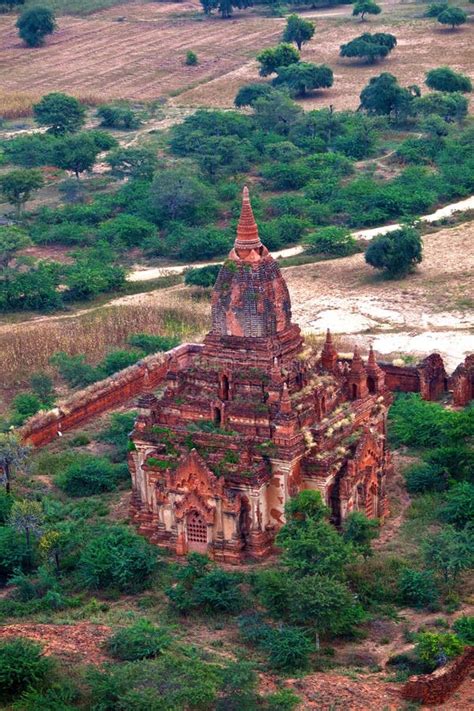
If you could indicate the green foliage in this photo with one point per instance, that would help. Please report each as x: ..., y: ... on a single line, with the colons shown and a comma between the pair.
x: 288, y: 648
x: 360, y: 531
x: 450, y: 552
x: 89, y: 475
x: 117, y: 433
x: 458, y: 508
x: 436, y: 648
x: 75, y: 371
x: 24, y: 405
x: 417, y: 588
x: 117, y: 558
x: 76, y: 152
x: 34, y: 24
x: 365, y: 7
x: 436, y: 9
x: 368, y: 46
x: 298, y: 30
x: 139, y: 163
x: 60, y: 112
x: 302, y: 77
x: 175, y: 194
x: 126, y: 231
x: 6, y: 501
x: 374, y: 579
x: 202, y: 276
x: 446, y: 79
x: 22, y: 665
x: 167, y: 683
x: 453, y: 16
x: 424, y: 477
x: 464, y: 628
x: 17, y: 186
x: 274, y: 58
x: 396, y: 253
x: 334, y: 241
x: 447, y: 105
x: 42, y: 385
x: 418, y: 423
x: 14, y: 553
x: 151, y: 344
x: 248, y: 94
x: 119, y: 116
x: 142, y: 640
x: 384, y: 96
x: 191, y: 58
x: 202, y: 586
x: 31, y: 150
x: 118, y: 360
x: 12, y: 239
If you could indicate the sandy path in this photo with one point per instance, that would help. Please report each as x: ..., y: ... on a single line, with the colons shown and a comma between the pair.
x: 140, y: 274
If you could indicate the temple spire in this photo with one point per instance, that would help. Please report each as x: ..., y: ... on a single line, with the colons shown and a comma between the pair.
x: 247, y: 231
x: 329, y: 354
x: 357, y: 365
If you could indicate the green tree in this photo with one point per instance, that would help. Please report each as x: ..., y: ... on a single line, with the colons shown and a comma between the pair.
x: 436, y: 9
x: 22, y: 666
x: 34, y: 24
x: 278, y: 111
x: 365, y: 7
x: 202, y: 276
x: 384, y: 95
x: 60, y: 112
x: 119, y: 116
x: 298, y: 30
x: 249, y: 93
x: 464, y: 628
x: 126, y: 231
x: 369, y: 46
x: 42, y: 386
x: 458, y: 508
x: 303, y: 77
x: 24, y: 405
x: 17, y: 186
x: 453, y: 16
x: 436, y: 648
x: 396, y: 253
x: 360, y: 531
x: 334, y: 241
x: 142, y: 640
x: 450, y: 106
x: 27, y: 517
x: 177, y: 194
x: 446, y: 79
x: 12, y: 239
x: 88, y: 476
x: 208, y: 6
x: 77, y: 153
x: 450, y: 552
x: 13, y: 456
x: 272, y: 58
x: 324, y: 604
x: 191, y: 58
x: 139, y: 163
x: 417, y: 588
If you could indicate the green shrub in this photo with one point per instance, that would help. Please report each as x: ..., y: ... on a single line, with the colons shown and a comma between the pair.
x: 436, y: 648
x: 142, y: 640
x: 151, y: 344
x: 22, y: 665
x: 417, y: 588
x: 42, y: 386
x: 128, y: 230
x: 118, y: 360
x: 116, y: 557
x: 191, y: 58
x: 6, y: 502
x: 60, y: 696
x: 464, y: 628
x: 118, y: 116
x: 458, y: 508
x: 424, y: 477
x: 218, y: 590
x: 288, y: 648
x: 24, y: 405
x: 283, y: 700
x: 81, y: 439
x: 75, y: 371
x: 117, y: 433
x: 335, y: 241
x: 396, y: 253
x: 445, y: 79
x: 14, y: 553
x: 88, y: 476
x: 202, y: 276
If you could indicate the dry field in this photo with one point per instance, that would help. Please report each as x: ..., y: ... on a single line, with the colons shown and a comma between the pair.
x: 142, y: 56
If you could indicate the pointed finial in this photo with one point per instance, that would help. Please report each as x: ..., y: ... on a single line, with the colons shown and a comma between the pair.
x: 357, y: 365
x: 372, y: 356
x: 247, y: 231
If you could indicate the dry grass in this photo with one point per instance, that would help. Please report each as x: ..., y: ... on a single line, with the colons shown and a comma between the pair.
x: 27, y: 347
x: 16, y: 104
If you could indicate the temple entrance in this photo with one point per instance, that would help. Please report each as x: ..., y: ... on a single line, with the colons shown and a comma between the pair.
x: 217, y: 417
x: 354, y: 391
x: 244, y: 521
x: 371, y: 504
x: 371, y: 385
x: 196, y: 530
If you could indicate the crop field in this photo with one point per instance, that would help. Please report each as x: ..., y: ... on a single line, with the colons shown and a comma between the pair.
x: 137, y: 51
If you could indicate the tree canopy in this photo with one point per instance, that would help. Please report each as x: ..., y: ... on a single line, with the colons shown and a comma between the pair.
x: 369, y: 46
x: 298, y: 30
x: 60, y: 112
x: 453, y: 16
x: 273, y: 58
x: 303, y: 77
x: 396, y: 253
x: 17, y: 186
x: 384, y: 95
x: 446, y: 79
x: 365, y: 7
x: 34, y: 24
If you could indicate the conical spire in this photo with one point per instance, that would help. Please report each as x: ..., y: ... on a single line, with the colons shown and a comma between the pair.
x: 329, y: 354
x: 357, y: 365
x: 247, y: 231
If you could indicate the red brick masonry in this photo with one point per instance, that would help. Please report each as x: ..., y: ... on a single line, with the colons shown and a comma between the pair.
x: 433, y: 689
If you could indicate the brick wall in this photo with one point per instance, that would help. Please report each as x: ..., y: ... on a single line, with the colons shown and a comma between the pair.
x: 433, y: 689
x: 145, y: 375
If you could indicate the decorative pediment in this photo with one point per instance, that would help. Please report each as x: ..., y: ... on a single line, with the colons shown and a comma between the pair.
x: 194, y: 502
x: 193, y: 475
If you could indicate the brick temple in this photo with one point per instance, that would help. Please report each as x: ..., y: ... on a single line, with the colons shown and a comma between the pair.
x: 256, y: 417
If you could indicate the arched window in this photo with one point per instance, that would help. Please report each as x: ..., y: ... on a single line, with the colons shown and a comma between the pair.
x: 225, y: 387
x: 354, y: 391
x: 196, y: 530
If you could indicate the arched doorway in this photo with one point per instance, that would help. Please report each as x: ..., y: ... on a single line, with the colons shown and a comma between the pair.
x: 217, y: 417
x: 371, y: 384
x: 354, y: 391
x: 225, y: 387
x: 196, y: 531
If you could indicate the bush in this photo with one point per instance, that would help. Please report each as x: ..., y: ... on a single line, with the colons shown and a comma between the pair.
x: 464, y: 628
x: 22, y: 665
x: 118, y: 360
x: 288, y: 648
x: 117, y: 557
x: 202, y: 276
x: 396, y: 253
x: 191, y: 58
x: 458, y: 508
x: 127, y: 230
x: 424, y: 477
x: 436, y: 648
x: 24, y: 405
x: 14, y: 553
x: 88, y: 476
x: 249, y: 93
x: 218, y: 590
x: 42, y: 386
x: 142, y: 640
x: 417, y: 588
x: 6, y: 502
x: 118, y: 116
x: 34, y: 24
x: 117, y: 433
x: 151, y: 344
x: 445, y: 79
x: 75, y: 371
x: 335, y: 241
